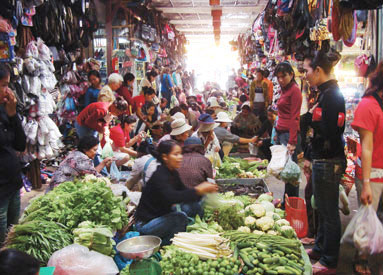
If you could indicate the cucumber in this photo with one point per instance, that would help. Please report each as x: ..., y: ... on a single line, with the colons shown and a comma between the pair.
x: 285, y: 250
x: 270, y: 260
x: 261, y: 246
x: 255, y: 262
x: 285, y: 271
x: 263, y: 255
x: 246, y: 260
x: 247, y: 249
x: 271, y: 272
x: 243, y: 245
x: 280, y: 253
x: 295, y: 271
x: 264, y: 267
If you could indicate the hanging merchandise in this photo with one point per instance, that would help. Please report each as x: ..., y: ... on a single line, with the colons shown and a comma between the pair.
x: 362, y: 5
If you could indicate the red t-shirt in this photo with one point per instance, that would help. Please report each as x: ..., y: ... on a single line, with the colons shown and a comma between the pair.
x: 369, y: 116
x: 119, y: 136
x: 138, y: 102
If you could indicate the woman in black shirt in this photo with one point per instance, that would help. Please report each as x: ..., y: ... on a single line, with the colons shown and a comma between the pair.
x: 154, y: 215
x: 328, y: 158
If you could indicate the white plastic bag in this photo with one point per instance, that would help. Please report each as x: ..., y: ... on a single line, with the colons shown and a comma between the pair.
x: 76, y: 259
x: 278, y: 159
x: 107, y: 150
x: 114, y: 173
x: 291, y: 173
x: 365, y: 231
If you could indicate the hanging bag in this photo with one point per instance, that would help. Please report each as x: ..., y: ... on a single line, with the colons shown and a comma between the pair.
x: 365, y: 232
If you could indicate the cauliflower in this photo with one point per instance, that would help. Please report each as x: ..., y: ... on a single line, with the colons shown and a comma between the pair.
x: 265, y: 223
x: 272, y: 232
x: 257, y: 209
x: 258, y: 232
x: 282, y: 222
x: 273, y: 215
x: 250, y: 221
x: 265, y: 197
x: 287, y: 231
x: 269, y: 207
x: 244, y: 229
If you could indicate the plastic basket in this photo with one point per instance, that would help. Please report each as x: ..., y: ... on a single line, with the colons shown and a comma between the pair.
x: 296, y: 214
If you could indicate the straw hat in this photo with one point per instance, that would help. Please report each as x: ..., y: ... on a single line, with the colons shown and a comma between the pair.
x: 223, y: 117
x: 179, y: 126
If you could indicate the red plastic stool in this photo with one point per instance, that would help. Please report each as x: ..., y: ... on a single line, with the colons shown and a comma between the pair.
x: 296, y: 214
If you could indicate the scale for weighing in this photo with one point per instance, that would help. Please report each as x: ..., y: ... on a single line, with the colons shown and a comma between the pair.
x: 140, y: 249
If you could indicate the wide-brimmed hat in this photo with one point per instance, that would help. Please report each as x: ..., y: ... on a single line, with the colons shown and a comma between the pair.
x: 178, y: 115
x: 223, y: 117
x: 206, y: 119
x: 213, y: 102
x: 179, y: 126
x: 207, y: 127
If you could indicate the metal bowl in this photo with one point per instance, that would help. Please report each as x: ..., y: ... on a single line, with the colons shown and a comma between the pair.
x: 141, y: 247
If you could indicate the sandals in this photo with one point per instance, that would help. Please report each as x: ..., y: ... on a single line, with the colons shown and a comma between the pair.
x: 313, y: 255
x: 363, y: 267
x: 323, y: 270
x: 307, y: 241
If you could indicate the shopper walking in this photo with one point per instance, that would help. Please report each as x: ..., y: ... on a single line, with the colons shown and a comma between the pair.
x: 166, y: 86
x: 368, y: 121
x: 92, y: 92
x: 259, y: 98
x: 289, y: 107
x: 12, y: 139
x: 328, y: 158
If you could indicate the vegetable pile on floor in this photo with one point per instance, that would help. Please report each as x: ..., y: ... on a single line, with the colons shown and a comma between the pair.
x: 268, y: 254
x: 47, y: 223
x: 39, y: 238
x: 177, y: 262
x: 71, y: 203
x: 240, y: 168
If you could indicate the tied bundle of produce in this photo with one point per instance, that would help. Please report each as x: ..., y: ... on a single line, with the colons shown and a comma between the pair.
x: 39, y: 239
x: 205, y: 246
x: 239, y: 168
x: 95, y: 237
x: 71, y: 203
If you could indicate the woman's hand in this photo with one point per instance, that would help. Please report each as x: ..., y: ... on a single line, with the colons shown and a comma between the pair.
x: 366, y: 196
x: 205, y: 188
x: 10, y: 102
x: 291, y: 148
x: 107, y: 161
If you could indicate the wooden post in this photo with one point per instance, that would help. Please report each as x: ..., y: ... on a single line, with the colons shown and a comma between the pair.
x: 109, y: 36
x: 34, y: 174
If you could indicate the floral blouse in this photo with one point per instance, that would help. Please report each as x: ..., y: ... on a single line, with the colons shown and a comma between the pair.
x: 76, y: 164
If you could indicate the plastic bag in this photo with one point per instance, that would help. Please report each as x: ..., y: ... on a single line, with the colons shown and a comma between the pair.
x: 278, y: 159
x: 78, y: 260
x: 365, y: 231
x: 291, y: 173
x: 114, y: 172
x: 107, y: 151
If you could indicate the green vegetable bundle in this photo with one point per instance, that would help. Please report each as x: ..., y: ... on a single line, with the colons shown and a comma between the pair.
x: 39, y: 239
x: 71, y: 203
x: 229, y: 216
x: 240, y: 168
x: 200, y: 226
x: 95, y: 237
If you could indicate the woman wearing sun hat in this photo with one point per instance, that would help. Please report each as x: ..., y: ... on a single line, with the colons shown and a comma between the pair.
x: 206, y: 133
x: 179, y: 133
x: 225, y: 137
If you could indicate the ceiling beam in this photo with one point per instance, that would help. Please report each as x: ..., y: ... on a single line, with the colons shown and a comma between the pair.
x: 210, y: 32
x: 209, y: 21
x: 207, y: 10
x: 203, y: 29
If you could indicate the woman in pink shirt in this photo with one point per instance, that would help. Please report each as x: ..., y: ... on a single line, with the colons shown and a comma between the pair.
x: 289, y: 107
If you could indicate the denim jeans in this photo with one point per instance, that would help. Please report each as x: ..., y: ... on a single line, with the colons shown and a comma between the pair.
x: 192, y: 209
x: 83, y: 131
x: 290, y: 190
x: 9, y: 213
x: 326, y: 176
x: 165, y: 226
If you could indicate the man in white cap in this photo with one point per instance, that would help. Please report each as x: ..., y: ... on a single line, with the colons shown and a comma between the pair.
x: 225, y: 137
x: 179, y: 133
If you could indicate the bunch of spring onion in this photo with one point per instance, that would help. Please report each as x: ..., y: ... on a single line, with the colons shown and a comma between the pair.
x: 205, y: 246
